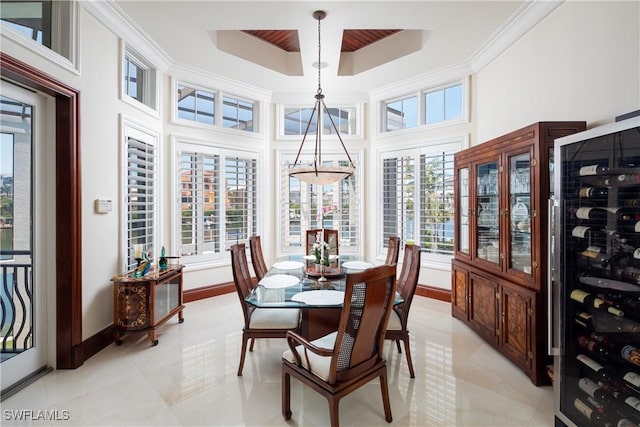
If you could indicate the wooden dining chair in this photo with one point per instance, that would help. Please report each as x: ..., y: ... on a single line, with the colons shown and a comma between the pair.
x: 330, y: 236
x: 407, y: 282
x: 257, y: 260
x: 258, y: 322
x: 393, y: 250
x: 343, y: 361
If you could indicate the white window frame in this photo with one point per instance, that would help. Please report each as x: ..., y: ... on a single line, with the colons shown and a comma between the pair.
x: 414, y: 150
x: 218, y: 124
x: 151, y: 137
x: 255, y: 111
x: 444, y: 87
x: 69, y: 62
x: 357, y: 135
x: 150, y: 103
x: 421, y: 111
x: 308, y: 219
x: 384, y: 122
x: 182, y: 144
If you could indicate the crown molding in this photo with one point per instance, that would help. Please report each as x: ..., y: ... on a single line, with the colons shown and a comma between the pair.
x: 214, y: 81
x: 528, y: 15
x: 116, y: 20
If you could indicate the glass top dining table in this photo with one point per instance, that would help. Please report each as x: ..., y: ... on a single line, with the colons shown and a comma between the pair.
x: 294, y: 282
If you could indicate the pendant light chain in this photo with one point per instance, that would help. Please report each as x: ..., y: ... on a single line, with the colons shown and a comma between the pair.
x: 319, y: 51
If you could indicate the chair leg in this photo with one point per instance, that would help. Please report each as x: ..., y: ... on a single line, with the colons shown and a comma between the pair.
x: 407, y: 351
x: 398, y: 345
x: 242, y: 353
x: 286, y: 395
x: 334, y: 403
x: 253, y: 340
x: 385, y: 396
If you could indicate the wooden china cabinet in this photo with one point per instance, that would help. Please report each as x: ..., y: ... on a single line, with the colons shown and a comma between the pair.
x: 500, y: 265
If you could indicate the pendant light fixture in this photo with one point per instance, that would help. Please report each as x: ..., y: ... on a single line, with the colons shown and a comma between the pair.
x: 319, y: 173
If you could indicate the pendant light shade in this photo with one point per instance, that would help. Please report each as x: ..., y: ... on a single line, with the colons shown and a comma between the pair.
x: 319, y: 173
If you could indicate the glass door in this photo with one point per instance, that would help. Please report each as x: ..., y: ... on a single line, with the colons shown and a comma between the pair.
x: 487, y: 211
x: 24, y: 197
x: 520, y: 212
x: 463, y: 211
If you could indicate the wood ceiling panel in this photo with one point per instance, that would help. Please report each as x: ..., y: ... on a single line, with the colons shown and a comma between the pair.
x: 353, y: 40
x: 286, y: 40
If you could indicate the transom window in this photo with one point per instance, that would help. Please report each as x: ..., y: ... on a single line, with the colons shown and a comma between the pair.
x: 48, y: 23
x: 401, y: 113
x: 296, y: 121
x: 432, y: 106
x: 444, y: 104
x: 238, y: 113
x: 139, y: 81
x: 196, y: 105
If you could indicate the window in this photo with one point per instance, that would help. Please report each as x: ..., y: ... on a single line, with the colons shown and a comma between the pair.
x: 402, y: 113
x: 139, y: 81
x: 238, y: 114
x: 417, y: 198
x: 196, y: 105
x: 297, y: 119
x: 140, y: 193
x: 301, y: 201
x: 436, y: 202
x: 47, y: 23
x: 133, y: 79
x: 435, y: 105
x: 443, y: 104
x: 217, y: 200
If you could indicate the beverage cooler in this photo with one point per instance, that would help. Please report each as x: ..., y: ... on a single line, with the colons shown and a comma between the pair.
x: 595, y: 286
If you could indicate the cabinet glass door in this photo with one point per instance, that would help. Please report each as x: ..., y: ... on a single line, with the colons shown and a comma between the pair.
x: 463, y: 206
x: 520, y: 212
x: 488, y: 213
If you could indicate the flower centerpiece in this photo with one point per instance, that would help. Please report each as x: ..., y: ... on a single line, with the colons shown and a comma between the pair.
x: 320, y: 250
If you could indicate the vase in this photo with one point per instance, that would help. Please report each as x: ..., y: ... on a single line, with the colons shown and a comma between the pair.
x: 319, y: 268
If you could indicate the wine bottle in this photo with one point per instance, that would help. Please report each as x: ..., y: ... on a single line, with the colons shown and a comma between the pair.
x: 589, y: 412
x: 603, y: 322
x: 593, y: 236
x: 599, y: 371
x: 591, y: 300
x: 627, y: 179
x: 593, y: 192
x: 632, y: 380
x: 629, y: 226
x: 593, y: 170
x: 592, y: 214
x: 594, y: 347
x: 631, y: 354
x: 611, y: 284
x: 594, y: 390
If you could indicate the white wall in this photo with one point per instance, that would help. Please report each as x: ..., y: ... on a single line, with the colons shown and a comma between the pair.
x: 582, y: 62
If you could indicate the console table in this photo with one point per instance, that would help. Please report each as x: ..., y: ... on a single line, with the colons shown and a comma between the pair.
x: 143, y: 304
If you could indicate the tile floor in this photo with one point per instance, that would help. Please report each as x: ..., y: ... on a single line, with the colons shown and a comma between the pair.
x: 190, y: 379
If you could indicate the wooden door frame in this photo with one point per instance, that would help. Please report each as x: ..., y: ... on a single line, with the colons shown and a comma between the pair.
x: 68, y: 230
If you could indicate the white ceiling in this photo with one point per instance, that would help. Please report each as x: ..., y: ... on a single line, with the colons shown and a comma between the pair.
x: 454, y: 34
